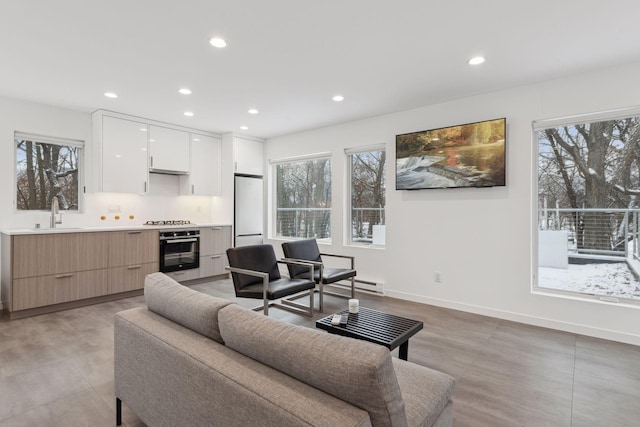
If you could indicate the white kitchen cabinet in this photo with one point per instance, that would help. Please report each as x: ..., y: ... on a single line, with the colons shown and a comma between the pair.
x: 168, y: 150
x: 120, y: 155
x: 248, y: 156
x: 204, y: 178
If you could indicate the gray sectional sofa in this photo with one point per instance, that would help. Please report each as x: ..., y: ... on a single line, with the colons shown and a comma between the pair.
x: 190, y: 359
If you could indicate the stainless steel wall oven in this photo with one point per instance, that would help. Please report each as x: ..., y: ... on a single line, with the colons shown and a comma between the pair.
x: 179, y: 250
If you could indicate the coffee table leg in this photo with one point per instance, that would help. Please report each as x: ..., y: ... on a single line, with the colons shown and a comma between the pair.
x: 403, y: 352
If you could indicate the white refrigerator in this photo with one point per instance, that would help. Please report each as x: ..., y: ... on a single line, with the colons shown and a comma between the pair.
x: 248, y: 210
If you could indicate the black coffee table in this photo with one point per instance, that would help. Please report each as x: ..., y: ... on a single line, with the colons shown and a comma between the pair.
x: 374, y: 326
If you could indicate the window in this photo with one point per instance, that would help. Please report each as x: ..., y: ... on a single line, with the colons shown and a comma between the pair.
x: 367, y: 195
x: 588, y: 206
x: 46, y: 167
x: 303, y: 198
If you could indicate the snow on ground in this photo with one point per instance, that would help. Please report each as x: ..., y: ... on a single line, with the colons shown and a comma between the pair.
x: 614, y: 280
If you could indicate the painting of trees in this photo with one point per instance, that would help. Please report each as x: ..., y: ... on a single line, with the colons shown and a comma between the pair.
x: 43, y: 171
x: 591, y: 166
x: 469, y: 155
x: 304, y: 199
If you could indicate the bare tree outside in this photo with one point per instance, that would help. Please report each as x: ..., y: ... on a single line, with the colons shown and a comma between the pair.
x: 367, y: 193
x: 589, y: 179
x: 43, y: 171
x: 591, y: 166
x: 303, y: 194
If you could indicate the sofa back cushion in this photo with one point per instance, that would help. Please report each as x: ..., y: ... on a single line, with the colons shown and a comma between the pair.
x: 189, y: 308
x: 355, y: 371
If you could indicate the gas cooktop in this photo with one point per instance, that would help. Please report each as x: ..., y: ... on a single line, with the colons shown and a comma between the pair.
x: 169, y: 222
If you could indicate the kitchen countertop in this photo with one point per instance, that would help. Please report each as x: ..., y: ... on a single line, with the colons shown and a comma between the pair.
x: 22, y: 231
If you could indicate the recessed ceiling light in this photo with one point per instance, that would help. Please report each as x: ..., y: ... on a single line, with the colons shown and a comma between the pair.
x: 476, y: 60
x: 143, y: 129
x: 188, y: 113
x: 244, y: 127
x: 338, y: 98
x: 196, y: 139
x: 217, y: 42
x: 253, y: 111
x: 110, y: 95
x: 185, y: 91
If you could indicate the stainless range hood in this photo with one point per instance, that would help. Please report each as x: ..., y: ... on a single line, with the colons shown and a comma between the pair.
x: 168, y: 172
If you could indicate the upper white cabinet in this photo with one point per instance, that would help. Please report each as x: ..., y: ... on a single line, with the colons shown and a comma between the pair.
x: 126, y: 148
x: 206, y: 162
x: 168, y: 150
x: 120, y: 155
x: 248, y: 156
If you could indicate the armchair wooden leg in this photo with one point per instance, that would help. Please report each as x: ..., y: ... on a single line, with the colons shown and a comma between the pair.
x: 321, y: 295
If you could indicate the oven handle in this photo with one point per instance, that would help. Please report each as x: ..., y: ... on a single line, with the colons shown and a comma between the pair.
x: 195, y: 239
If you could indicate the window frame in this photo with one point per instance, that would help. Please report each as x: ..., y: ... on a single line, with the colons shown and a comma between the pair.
x: 348, y: 234
x: 540, y: 125
x: 273, y: 164
x: 67, y: 142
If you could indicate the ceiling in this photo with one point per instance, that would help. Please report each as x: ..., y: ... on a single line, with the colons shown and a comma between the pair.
x: 287, y: 58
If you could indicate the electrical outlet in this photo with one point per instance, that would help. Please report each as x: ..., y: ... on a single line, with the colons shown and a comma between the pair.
x: 437, y: 277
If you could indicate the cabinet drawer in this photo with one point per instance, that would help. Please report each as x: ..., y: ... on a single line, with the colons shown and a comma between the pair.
x: 128, y: 248
x: 58, y: 288
x: 214, y: 240
x: 181, y: 276
x: 129, y: 278
x: 46, y: 254
x: 213, y: 265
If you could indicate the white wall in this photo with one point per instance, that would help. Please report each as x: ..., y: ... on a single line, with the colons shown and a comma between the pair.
x: 479, y: 239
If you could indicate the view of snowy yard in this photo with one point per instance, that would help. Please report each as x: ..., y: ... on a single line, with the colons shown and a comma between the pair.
x: 613, y: 280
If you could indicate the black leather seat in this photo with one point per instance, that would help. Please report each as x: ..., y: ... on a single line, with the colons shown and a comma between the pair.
x: 255, y: 274
x: 308, y: 251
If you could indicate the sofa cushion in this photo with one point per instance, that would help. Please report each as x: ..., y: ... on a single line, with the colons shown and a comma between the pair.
x: 191, y: 309
x: 425, y: 392
x: 356, y: 371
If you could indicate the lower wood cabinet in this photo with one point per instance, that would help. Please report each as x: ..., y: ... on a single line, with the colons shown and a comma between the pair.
x: 41, y: 271
x: 49, y: 272
x: 212, y: 265
x: 39, y: 291
x: 129, y: 278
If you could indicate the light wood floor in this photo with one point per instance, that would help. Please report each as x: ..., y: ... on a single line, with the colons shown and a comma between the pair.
x: 57, y: 369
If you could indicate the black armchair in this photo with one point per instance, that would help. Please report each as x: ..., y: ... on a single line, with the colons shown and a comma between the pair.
x: 255, y: 274
x: 307, y: 251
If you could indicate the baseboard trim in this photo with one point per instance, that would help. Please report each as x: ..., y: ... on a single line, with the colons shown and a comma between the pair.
x: 521, y: 318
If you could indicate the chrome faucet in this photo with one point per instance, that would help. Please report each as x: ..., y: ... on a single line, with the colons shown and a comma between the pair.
x: 55, y: 210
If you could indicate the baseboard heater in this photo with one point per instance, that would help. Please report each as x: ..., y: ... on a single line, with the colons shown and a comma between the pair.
x: 363, y: 285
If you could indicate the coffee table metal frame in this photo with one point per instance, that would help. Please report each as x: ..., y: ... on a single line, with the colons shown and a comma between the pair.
x: 377, y: 327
